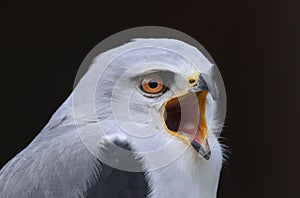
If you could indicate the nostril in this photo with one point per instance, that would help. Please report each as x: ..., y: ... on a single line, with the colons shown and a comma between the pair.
x: 192, y: 81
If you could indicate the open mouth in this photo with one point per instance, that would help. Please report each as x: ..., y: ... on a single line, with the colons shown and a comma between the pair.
x: 184, y: 117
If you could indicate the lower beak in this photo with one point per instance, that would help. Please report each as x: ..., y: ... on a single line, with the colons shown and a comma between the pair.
x: 185, y: 118
x: 204, y: 151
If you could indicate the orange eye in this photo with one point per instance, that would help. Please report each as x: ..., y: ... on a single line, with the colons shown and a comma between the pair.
x: 152, y: 84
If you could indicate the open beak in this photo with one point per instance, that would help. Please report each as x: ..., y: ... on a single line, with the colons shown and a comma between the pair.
x: 184, y: 117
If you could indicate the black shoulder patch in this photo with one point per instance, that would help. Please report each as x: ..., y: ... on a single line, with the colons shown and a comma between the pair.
x: 115, y: 183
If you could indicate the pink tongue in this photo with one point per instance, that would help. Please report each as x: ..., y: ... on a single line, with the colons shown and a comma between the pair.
x: 190, y: 118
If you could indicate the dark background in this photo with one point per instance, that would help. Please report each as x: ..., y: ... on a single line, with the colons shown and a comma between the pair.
x: 255, y: 44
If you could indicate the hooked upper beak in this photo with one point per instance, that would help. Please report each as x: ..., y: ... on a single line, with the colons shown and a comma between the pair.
x: 185, y: 117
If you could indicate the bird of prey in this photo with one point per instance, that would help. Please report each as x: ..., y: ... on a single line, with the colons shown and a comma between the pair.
x: 142, y: 122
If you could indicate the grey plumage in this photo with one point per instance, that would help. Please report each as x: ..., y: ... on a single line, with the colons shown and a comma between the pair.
x: 57, y: 164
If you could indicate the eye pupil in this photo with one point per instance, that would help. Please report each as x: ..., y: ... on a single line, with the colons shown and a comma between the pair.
x: 153, y: 84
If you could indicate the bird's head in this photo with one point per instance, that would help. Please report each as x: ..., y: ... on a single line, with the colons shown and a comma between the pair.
x: 157, y: 96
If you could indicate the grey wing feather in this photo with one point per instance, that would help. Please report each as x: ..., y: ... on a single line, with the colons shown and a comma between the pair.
x: 57, y: 164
